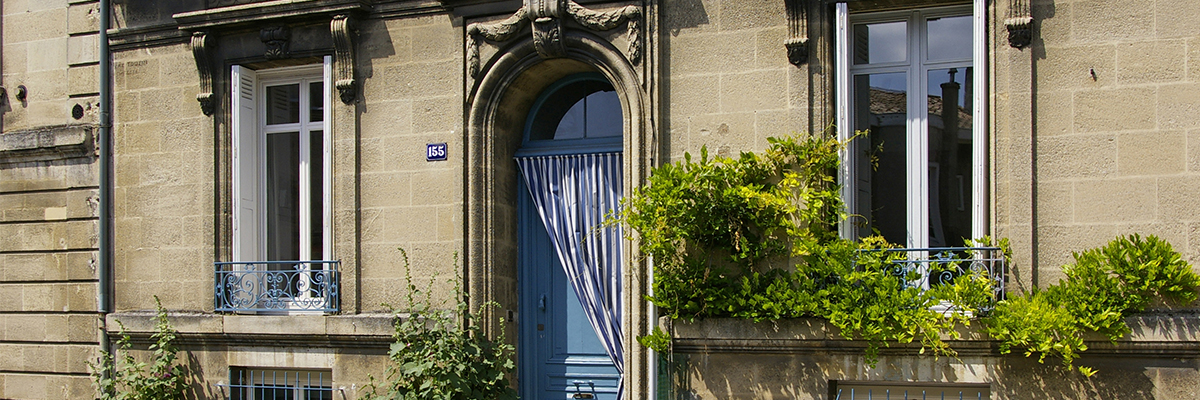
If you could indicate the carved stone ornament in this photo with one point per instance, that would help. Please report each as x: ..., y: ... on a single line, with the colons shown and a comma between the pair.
x: 276, y: 38
x: 797, y: 42
x: 202, y: 52
x: 545, y: 18
x: 342, y: 28
x: 1019, y: 24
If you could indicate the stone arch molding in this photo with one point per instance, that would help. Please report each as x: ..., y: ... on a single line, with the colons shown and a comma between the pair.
x: 501, y: 98
x: 545, y: 18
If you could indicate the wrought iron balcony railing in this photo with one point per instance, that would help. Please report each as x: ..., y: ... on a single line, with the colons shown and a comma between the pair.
x: 940, y: 265
x: 266, y: 286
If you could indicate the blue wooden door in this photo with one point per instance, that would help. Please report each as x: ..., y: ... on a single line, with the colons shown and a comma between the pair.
x: 560, y: 355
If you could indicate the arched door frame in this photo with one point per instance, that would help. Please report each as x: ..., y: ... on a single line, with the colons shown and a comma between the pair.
x: 485, y: 214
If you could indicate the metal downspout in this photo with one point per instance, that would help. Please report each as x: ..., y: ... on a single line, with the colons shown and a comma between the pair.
x: 104, y: 245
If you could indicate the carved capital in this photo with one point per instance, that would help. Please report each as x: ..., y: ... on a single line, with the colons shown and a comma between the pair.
x: 202, y: 52
x: 342, y: 28
x: 797, y: 42
x: 1019, y: 24
x: 276, y: 38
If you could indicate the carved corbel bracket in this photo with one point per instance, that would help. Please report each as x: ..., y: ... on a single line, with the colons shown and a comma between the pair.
x: 202, y: 52
x: 797, y: 42
x: 342, y: 28
x: 547, y: 29
x: 1019, y: 24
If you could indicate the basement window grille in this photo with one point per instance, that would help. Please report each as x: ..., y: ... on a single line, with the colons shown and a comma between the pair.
x: 272, y: 384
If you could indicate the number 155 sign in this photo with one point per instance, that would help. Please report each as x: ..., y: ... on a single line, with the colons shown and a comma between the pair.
x: 435, y: 152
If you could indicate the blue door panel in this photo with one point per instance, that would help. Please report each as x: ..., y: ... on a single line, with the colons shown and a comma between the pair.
x: 558, y: 346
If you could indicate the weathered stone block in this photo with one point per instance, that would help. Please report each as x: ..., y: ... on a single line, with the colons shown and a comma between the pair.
x: 1112, y: 20
x: 1076, y: 156
x: 137, y: 74
x: 83, y: 18
x: 1177, y: 199
x: 1122, y: 109
x: 83, y: 49
x: 1156, y: 61
x: 1071, y: 67
x: 751, y: 14
x: 1151, y: 153
x: 754, y: 91
x: 1115, y: 201
x: 1177, y: 106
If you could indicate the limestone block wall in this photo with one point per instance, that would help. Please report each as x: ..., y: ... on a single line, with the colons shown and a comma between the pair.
x: 412, y: 96
x: 163, y: 182
x: 48, y: 198
x: 727, y: 83
x: 1105, y: 104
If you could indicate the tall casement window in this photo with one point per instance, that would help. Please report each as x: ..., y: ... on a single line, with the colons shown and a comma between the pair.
x: 909, y: 78
x: 281, y: 153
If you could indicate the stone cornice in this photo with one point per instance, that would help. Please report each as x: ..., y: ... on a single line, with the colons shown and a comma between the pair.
x: 1162, y: 334
x: 47, y: 144
x: 268, y: 10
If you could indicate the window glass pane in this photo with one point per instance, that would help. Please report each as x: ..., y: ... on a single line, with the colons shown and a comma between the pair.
x: 950, y: 156
x: 283, y: 196
x: 316, y: 101
x: 572, y: 123
x: 880, y: 107
x: 604, y: 114
x: 950, y: 38
x: 316, y: 196
x: 564, y: 113
x: 883, y: 42
x: 283, y: 104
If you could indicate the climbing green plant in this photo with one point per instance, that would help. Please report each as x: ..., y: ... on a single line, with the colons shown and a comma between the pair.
x: 756, y: 237
x: 120, y: 376
x: 1102, y: 287
x: 439, y: 353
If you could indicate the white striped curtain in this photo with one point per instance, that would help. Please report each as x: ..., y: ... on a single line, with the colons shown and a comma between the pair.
x: 573, y: 193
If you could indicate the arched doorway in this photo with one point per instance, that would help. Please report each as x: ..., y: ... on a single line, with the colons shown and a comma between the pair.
x: 570, y: 268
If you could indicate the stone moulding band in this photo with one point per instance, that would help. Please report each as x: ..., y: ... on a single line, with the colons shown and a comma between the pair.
x: 545, y: 17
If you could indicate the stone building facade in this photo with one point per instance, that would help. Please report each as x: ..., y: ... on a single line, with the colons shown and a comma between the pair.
x: 341, y: 130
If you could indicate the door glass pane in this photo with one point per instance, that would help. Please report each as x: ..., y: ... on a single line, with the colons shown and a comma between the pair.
x: 950, y: 38
x: 283, y: 104
x: 316, y: 101
x: 316, y: 197
x: 950, y: 156
x: 283, y: 196
x: 604, y: 114
x: 883, y: 42
x: 880, y: 107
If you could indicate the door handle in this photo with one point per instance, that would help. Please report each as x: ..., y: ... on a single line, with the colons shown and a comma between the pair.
x: 580, y: 394
x: 542, y: 303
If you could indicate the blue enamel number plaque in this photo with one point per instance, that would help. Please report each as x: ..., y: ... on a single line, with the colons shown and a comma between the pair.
x: 435, y: 152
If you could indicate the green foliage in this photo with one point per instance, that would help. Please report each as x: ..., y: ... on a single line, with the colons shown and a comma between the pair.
x: 126, y: 378
x: 1101, y: 288
x: 440, y: 354
x: 718, y: 230
x: 658, y: 340
x: 711, y: 224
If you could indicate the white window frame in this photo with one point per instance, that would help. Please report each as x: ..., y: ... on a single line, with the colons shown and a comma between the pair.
x: 248, y: 132
x: 917, y: 125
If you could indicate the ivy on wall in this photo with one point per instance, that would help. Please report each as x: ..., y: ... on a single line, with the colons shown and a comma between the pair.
x: 756, y: 237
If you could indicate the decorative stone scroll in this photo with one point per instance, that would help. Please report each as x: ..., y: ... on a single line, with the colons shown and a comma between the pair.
x: 276, y: 38
x: 797, y: 42
x: 342, y: 29
x: 202, y: 52
x: 1019, y: 23
x: 545, y: 17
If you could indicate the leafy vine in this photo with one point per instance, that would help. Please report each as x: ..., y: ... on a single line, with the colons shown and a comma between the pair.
x: 439, y: 353
x: 126, y: 378
x: 756, y: 237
